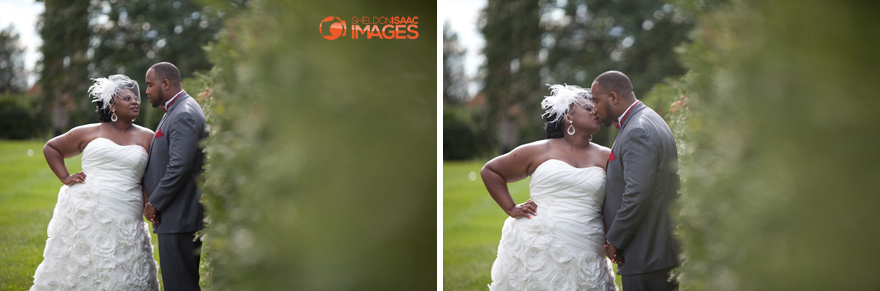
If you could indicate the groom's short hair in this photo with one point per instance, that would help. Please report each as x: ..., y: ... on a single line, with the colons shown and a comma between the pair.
x: 166, y: 70
x: 615, y: 81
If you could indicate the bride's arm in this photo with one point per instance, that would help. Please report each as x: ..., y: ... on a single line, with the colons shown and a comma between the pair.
x: 509, y: 168
x: 144, y: 192
x: 64, y: 146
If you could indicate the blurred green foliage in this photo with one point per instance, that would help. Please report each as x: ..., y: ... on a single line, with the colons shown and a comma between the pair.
x: 455, y: 82
x: 13, y: 78
x: 463, y: 136
x: 63, y: 102
x: 464, y: 125
x: 779, y: 150
x: 16, y: 117
x: 511, y: 77
x: 321, y: 166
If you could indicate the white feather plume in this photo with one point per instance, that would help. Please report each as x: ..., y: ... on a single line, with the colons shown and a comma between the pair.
x: 102, y: 90
x: 105, y: 88
x: 561, y: 98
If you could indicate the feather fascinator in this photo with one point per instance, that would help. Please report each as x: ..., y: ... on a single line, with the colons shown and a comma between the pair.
x: 561, y: 98
x: 104, y: 89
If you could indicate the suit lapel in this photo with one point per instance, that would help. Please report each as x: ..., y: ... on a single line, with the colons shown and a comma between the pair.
x: 632, y: 115
x: 179, y: 100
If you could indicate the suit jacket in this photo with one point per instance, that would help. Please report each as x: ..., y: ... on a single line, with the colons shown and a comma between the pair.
x: 641, y: 182
x: 174, y: 166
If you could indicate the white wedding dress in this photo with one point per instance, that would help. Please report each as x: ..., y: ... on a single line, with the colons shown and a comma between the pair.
x: 97, y: 237
x: 560, y: 248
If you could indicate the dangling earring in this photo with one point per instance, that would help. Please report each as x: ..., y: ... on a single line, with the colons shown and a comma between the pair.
x: 591, y: 137
x: 570, y: 127
x: 113, y: 117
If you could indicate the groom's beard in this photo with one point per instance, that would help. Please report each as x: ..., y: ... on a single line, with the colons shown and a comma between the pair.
x: 158, y: 100
x: 607, y: 121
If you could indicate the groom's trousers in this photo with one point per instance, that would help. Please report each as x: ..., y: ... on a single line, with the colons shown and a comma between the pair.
x: 657, y: 280
x: 179, y: 261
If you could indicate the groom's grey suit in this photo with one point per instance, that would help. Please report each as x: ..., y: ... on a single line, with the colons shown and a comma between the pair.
x: 170, y: 181
x: 641, y: 182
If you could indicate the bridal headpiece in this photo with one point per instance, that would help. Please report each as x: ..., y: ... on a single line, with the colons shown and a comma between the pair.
x: 105, y: 88
x: 561, y: 98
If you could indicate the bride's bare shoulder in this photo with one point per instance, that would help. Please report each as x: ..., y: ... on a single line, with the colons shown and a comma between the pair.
x: 145, y: 136
x: 144, y: 131
x: 84, y: 131
x: 540, y: 145
x: 87, y: 127
x: 602, y: 149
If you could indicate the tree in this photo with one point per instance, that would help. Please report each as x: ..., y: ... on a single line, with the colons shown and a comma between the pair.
x: 587, y: 37
x: 634, y: 37
x: 64, y: 28
x: 90, y: 39
x: 533, y: 43
x: 460, y: 123
x: 129, y: 36
x: 512, y: 82
x: 455, y: 82
x: 12, y: 75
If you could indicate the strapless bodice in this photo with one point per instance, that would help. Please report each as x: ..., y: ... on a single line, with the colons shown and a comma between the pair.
x: 104, y: 160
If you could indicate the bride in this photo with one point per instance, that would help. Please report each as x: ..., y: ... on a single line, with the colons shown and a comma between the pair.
x: 554, y: 241
x: 97, y: 237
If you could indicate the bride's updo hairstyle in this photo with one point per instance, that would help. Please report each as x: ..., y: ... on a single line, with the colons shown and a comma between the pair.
x: 558, y: 105
x: 104, y: 89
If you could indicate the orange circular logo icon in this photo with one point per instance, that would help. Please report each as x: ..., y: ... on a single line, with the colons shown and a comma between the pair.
x: 335, y: 27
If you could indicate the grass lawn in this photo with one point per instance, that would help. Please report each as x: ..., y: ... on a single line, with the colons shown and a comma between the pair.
x: 472, y: 226
x: 28, y: 191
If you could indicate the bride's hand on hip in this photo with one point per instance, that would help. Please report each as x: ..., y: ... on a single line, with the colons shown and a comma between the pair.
x: 526, y: 209
x: 75, y: 178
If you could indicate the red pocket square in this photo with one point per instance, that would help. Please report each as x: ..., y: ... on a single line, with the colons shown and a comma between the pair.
x: 159, y: 133
x: 611, y: 157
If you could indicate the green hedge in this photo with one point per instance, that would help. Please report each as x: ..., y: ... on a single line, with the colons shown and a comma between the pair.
x: 321, y: 169
x: 16, y: 118
x: 779, y: 148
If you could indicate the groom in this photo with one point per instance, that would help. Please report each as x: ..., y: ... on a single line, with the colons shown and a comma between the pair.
x: 170, y: 179
x: 641, y: 183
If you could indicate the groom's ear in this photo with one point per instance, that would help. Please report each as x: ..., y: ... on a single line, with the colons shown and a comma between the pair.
x: 613, y: 98
x: 166, y: 85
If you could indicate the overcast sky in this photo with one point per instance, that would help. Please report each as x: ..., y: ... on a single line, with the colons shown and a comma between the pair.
x: 23, y: 15
x: 462, y: 16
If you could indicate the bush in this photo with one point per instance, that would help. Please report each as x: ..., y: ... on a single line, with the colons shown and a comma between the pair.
x: 460, y: 136
x: 781, y: 147
x: 321, y: 169
x: 16, y: 118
